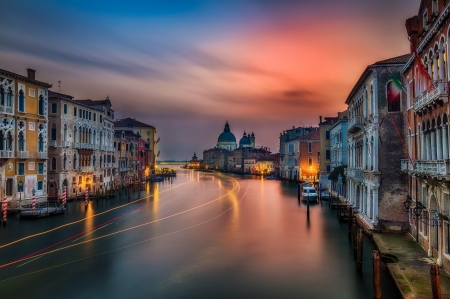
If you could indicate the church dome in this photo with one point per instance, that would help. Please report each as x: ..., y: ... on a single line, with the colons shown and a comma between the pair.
x: 226, y: 135
x: 244, y: 142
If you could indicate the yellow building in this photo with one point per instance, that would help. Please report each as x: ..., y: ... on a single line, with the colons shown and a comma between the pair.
x: 23, y: 136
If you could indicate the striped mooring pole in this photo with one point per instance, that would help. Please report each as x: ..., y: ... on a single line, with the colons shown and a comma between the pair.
x: 86, y: 198
x: 64, y: 196
x: 33, y: 203
x: 5, y: 209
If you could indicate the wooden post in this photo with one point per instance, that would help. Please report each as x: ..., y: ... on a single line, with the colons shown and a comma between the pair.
x: 435, y: 281
x: 355, y: 236
x: 298, y: 191
x: 360, y: 251
x: 350, y: 222
x: 376, y: 275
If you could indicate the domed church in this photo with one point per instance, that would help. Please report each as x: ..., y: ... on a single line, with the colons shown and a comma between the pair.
x: 247, y: 140
x: 226, y: 139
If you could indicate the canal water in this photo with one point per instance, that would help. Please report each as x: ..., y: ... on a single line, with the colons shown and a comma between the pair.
x: 199, y: 235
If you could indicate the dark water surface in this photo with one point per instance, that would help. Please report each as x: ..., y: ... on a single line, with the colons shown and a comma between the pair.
x: 197, y: 236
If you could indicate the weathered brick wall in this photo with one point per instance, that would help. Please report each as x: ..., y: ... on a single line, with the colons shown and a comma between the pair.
x: 393, y: 182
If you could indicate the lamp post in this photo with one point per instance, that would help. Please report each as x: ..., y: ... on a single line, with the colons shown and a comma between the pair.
x: 20, y: 187
x: 417, y: 210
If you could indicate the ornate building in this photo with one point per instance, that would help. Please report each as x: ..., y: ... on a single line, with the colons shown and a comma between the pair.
x: 23, y: 136
x: 426, y: 80
x: 375, y: 184
x: 81, y: 145
x: 226, y: 139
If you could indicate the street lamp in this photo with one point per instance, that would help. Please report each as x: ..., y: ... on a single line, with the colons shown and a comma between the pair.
x: 417, y: 210
x: 20, y: 187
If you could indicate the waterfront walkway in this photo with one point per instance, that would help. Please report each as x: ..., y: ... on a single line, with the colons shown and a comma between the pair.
x: 412, y: 272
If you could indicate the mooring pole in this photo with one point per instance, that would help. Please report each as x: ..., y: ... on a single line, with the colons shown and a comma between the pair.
x: 360, y: 251
x: 435, y: 281
x: 376, y: 275
x: 298, y: 190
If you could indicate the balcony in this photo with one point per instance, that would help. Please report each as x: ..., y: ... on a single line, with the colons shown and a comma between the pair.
x: 6, y: 109
x: 22, y: 154
x: 77, y: 145
x: 122, y: 169
x: 86, y: 169
x: 65, y: 144
x: 52, y: 143
x: 356, y: 124
x: 356, y: 174
x: 6, y: 154
x: 438, y: 168
x: 438, y: 92
x: 42, y: 155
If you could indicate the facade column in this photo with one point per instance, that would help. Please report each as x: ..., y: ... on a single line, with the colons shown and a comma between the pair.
x: 375, y: 151
x: 441, y: 64
x: 433, y: 144
x: 362, y: 205
x: 435, y: 67
x: 445, y: 141
x: 422, y: 145
x: 364, y: 156
x: 375, y: 206
x: 375, y: 95
x: 428, y: 145
x: 438, y: 143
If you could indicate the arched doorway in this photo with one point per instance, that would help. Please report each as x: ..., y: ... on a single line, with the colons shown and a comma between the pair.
x: 52, y: 188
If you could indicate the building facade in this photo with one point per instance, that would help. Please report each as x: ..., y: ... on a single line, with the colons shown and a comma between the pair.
x: 376, y: 187
x: 81, y: 150
x: 325, y: 152
x: 338, y: 149
x: 426, y: 80
x: 23, y: 137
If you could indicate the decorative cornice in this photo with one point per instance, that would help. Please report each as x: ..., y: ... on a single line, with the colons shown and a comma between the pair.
x: 430, y: 34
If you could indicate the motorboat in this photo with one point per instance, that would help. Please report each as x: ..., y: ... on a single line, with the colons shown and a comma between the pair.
x: 309, y: 194
x: 157, y: 179
x: 271, y: 177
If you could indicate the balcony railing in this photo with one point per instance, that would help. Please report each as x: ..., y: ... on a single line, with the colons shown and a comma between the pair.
x: 42, y: 155
x: 439, y: 91
x: 356, y: 124
x: 428, y: 167
x: 77, y: 145
x: 6, y: 109
x: 6, y: 154
x: 52, y: 143
x: 356, y: 174
x: 86, y: 168
x: 65, y: 144
x: 22, y: 154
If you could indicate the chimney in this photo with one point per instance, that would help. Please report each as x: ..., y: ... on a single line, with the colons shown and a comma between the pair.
x: 31, y: 74
x: 412, y: 28
x: 320, y: 118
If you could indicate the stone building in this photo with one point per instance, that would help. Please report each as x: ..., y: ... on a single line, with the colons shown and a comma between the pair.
x: 338, y: 149
x: 215, y: 158
x: 80, y: 145
x: 146, y: 132
x: 127, y: 166
x: 426, y: 80
x: 226, y: 139
x: 289, y: 168
x: 23, y: 136
x: 376, y: 186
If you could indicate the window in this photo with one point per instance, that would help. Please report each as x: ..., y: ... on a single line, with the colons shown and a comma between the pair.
x: 40, y: 186
x: 327, y: 135
x: 310, y: 161
x: 53, y: 164
x: 148, y: 133
x: 95, y: 116
x: 328, y: 168
x: 425, y: 20
x: 309, y: 147
x: 53, y: 137
x: 9, y: 187
x: 54, y: 108
x: 90, y: 114
x: 40, y: 143
x: 435, y: 6
x: 41, y: 105
x: 65, y: 109
x: 21, y: 101
x: 393, y: 96
x: 74, y: 111
x: 21, y: 142
x: 327, y: 155
x: 40, y: 168
x: 21, y: 170
x: 101, y: 118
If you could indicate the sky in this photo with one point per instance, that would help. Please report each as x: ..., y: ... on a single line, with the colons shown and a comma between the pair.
x: 188, y: 66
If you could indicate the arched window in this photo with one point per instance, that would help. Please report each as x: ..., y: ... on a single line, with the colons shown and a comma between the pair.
x: 65, y: 162
x: 41, y: 105
x: 75, y: 161
x: 393, y: 96
x: 21, y: 142
x: 2, y: 96
x: 9, y: 98
x: 94, y: 161
x: 9, y: 141
x: 21, y: 101
x: 65, y: 132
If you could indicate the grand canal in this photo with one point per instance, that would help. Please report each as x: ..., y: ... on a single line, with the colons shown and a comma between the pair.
x: 200, y: 235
